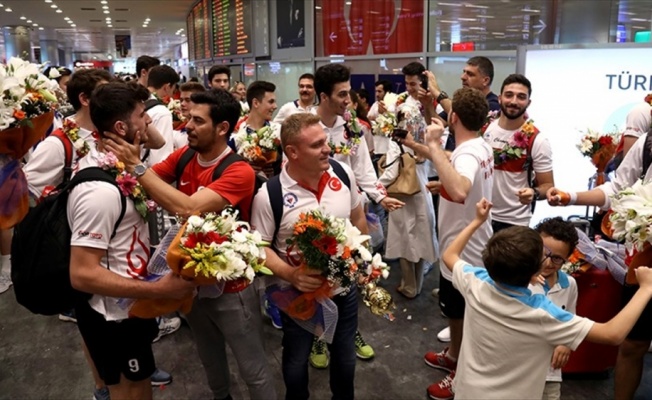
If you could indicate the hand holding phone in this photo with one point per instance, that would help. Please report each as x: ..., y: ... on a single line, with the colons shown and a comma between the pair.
x: 424, y: 81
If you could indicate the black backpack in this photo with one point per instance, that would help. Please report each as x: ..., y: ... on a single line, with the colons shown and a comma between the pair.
x: 40, y: 250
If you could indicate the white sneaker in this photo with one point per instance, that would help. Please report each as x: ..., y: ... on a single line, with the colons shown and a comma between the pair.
x: 435, y: 293
x: 167, y: 326
x: 5, y: 283
x: 444, y: 335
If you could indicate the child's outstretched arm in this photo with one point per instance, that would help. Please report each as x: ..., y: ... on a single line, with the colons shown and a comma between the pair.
x: 452, y: 253
x: 615, y: 330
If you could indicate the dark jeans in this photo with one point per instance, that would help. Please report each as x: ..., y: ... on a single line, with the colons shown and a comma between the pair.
x: 297, y: 343
x: 499, y: 226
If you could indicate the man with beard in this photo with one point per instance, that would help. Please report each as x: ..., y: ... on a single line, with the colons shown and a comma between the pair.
x: 513, y: 195
x: 234, y: 316
x: 304, y: 103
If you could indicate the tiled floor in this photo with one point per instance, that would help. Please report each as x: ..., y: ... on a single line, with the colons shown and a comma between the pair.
x: 40, y: 357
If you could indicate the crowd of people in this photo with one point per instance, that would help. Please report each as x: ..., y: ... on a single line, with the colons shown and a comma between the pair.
x: 510, y: 309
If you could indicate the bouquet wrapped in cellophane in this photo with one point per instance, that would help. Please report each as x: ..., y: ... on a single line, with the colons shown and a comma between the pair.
x: 335, y: 250
x: 27, y: 102
x: 209, y: 250
x: 600, y: 148
x: 260, y: 146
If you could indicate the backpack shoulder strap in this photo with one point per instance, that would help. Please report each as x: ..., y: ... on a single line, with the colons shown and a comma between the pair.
x: 529, y: 162
x: 647, y: 154
x: 98, y: 174
x: 275, y: 192
x: 183, y: 162
x: 228, y: 160
x: 151, y: 103
x: 340, y: 172
x: 67, y: 148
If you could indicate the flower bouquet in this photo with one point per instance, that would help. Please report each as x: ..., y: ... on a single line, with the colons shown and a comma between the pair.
x: 631, y: 220
x: 410, y: 118
x: 26, y: 104
x: 174, y: 105
x: 209, y: 250
x: 259, y: 147
x: 384, y: 124
x: 491, y: 117
x: 600, y: 148
x: 335, y: 250
x: 352, y: 134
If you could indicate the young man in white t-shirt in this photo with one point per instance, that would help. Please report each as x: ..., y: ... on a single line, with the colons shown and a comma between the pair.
x: 115, y: 267
x: 510, y: 333
x: 513, y: 195
x: 465, y: 179
x: 559, y: 240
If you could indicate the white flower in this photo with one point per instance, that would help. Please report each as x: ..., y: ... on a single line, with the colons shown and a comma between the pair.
x: 54, y: 73
x: 195, y: 222
x: 390, y: 99
x: 209, y: 226
x: 79, y: 144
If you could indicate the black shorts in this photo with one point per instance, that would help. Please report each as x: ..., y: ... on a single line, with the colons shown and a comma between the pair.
x: 642, y: 330
x: 451, y: 300
x: 118, y: 347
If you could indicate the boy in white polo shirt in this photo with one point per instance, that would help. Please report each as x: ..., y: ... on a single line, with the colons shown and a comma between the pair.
x: 559, y: 240
x: 510, y: 333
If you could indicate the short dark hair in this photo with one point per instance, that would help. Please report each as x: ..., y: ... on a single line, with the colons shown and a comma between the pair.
x: 388, y: 86
x: 162, y: 74
x: 360, y: 111
x: 471, y: 107
x: 413, y: 68
x: 193, y: 79
x: 146, y: 63
x: 485, y: 66
x: 115, y: 101
x: 307, y: 75
x: 258, y: 89
x: 561, y: 230
x: 224, y: 107
x: 513, y: 255
x: 218, y: 69
x: 327, y: 76
x: 192, y: 87
x: 85, y: 81
x: 517, y: 78
x: 364, y: 94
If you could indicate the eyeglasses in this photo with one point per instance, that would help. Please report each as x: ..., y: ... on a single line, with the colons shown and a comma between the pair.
x: 555, y: 259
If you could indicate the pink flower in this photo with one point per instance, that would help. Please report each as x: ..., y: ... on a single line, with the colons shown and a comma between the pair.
x: 127, y: 183
x: 108, y: 161
x: 151, y: 205
x: 519, y: 140
x: 347, y: 116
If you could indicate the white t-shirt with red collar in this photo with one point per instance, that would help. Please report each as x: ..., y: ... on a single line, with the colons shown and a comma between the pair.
x: 93, y: 209
x: 473, y: 160
x: 333, y: 197
x: 507, y: 208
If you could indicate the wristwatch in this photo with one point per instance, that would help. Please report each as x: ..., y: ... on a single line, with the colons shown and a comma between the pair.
x: 139, y: 170
x: 442, y: 96
x: 536, y: 194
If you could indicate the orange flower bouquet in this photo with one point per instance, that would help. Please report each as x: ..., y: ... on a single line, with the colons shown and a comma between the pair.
x: 26, y: 104
x: 600, y: 148
x: 210, y: 250
x: 260, y: 146
x: 335, y: 250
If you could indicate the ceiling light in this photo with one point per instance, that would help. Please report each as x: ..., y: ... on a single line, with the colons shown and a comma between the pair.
x: 476, y: 28
x: 317, y: 7
x: 58, y: 11
x: 29, y: 21
x: 474, y: 6
x: 467, y: 19
x: 23, y: 18
x: 486, y: 16
x: 511, y: 30
x: 103, y: 1
x: 48, y: 1
x: 73, y: 25
x: 107, y: 12
x: 530, y: 10
x: 105, y: 7
x: 184, y: 35
x: 40, y: 28
x: 2, y: 5
x: 110, y: 26
x: 70, y: 22
x: 8, y: 10
x: 108, y: 18
x: 639, y: 19
x: 34, y: 24
x: 66, y: 18
x: 53, y: 6
x: 497, y: 33
x: 627, y: 13
x: 445, y: 21
x: 449, y: 4
x: 640, y: 27
x: 144, y: 26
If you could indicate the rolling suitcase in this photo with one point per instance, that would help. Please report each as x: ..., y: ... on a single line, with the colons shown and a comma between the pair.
x: 598, y: 299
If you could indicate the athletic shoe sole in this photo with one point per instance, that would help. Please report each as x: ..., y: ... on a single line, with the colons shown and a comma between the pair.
x: 66, y: 318
x: 162, y: 383
x: 366, y: 358
x: 437, y: 366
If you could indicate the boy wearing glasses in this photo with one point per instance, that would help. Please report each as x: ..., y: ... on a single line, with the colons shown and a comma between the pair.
x: 559, y: 240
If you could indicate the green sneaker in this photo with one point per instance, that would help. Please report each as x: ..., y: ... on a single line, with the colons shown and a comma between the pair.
x: 362, y: 349
x: 318, y: 355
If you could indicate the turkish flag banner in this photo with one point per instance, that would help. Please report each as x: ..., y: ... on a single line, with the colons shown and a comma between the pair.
x: 359, y: 27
